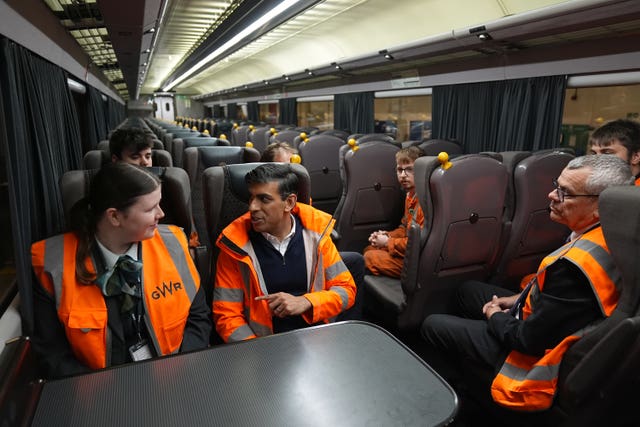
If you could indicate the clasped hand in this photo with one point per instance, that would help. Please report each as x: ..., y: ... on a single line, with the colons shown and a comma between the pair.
x: 499, y: 304
x: 283, y: 304
x: 379, y: 239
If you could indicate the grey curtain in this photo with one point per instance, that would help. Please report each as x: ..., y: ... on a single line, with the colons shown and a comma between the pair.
x: 232, y: 111
x: 353, y: 112
x: 98, y: 116
x: 522, y: 114
x: 41, y: 142
x: 253, y: 111
x: 288, y: 111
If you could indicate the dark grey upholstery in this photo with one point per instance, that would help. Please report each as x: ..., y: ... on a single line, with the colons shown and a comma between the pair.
x: 94, y: 159
x: 433, y: 147
x: 320, y: 156
x: 337, y: 133
x: 197, y: 160
x: 20, y: 386
x: 459, y: 240
x: 374, y: 137
x: 372, y: 198
x: 530, y: 234
x: 180, y: 133
x: 181, y: 144
x: 259, y: 137
x: 104, y: 145
x: 287, y: 135
x: 176, y: 193
x: 240, y: 135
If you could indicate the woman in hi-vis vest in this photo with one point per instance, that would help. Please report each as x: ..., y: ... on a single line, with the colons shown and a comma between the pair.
x: 119, y: 287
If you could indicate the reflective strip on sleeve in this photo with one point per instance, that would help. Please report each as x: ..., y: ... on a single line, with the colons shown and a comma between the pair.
x: 241, y: 333
x: 228, y: 294
x: 334, y: 270
x: 344, y: 296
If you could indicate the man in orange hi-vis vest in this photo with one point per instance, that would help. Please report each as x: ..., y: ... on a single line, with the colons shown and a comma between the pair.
x: 620, y: 138
x: 575, y: 286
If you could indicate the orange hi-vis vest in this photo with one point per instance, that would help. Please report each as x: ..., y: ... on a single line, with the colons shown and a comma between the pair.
x: 528, y: 383
x: 236, y: 313
x: 638, y: 181
x: 169, y: 284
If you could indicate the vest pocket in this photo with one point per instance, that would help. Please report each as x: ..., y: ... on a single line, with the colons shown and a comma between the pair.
x: 86, y: 334
x: 173, y: 333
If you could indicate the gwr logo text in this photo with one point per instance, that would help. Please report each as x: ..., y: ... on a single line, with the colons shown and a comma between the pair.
x: 166, y: 290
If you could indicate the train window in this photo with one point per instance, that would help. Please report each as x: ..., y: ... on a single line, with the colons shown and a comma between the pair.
x: 315, y: 114
x: 585, y: 109
x: 405, y: 118
x: 269, y: 113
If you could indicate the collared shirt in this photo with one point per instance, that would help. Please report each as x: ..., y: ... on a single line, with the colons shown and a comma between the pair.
x: 110, y: 258
x: 575, y: 234
x: 281, y: 246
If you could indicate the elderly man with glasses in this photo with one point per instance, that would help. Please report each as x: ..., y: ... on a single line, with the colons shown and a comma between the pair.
x: 575, y: 286
x: 385, y: 254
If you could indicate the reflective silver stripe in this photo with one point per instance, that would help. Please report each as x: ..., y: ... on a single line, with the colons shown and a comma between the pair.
x: 53, y: 264
x: 318, y: 280
x: 179, y: 258
x: 537, y: 373
x: 228, y: 295
x: 334, y: 270
x: 603, y: 258
x: 151, y: 331
x: 260, y: 329
x: 344, y: 296
x: 241, y: 333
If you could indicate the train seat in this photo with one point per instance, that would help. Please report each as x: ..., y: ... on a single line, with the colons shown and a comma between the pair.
x: 338, y: 133
x: 94, y: 159
x: 433, y: 147
x: 197, y: 160
x: 259, y: 137
x: 529, y: 233
x: 181, y: 144
x: 320, y: 156
x: 287, y: 135
x: 459, y: 240
x: 374, y: 137
x: 174, y: 134
x: 240, y: 135
x: 20, y: 385
x: 176, y: 193
x: 371, y: 198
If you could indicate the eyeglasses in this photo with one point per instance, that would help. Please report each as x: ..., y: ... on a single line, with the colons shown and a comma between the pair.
x: 407, y: 170
x: 562, y: 194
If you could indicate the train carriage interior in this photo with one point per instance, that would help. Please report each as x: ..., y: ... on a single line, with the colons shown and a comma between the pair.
x: 499, y: 94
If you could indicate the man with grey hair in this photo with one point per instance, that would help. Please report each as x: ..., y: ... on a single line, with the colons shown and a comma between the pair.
x: 575, y: 286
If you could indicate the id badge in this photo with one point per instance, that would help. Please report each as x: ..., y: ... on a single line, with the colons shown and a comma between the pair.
x: 140, y: 351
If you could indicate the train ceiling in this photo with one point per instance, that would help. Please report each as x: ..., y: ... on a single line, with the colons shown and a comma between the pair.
x: 209, y: 48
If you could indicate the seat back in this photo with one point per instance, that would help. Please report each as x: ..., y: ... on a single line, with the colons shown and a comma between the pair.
x: 94, y: 159
x: 259, y: 136
x: 460, y: 238
x: 530, y: 234
x: 374, y: 137
x: 337, y: 133
x: 287, y: 135
x: 181, y: 144
x: 320, y: 156
x: 239, y: 135
x: 176, y: 193
x: 433, y: 147
x: 197, y: 160
x: 371, y: 198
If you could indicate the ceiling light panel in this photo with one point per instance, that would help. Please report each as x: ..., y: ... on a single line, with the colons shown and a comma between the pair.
x: 187, y: 24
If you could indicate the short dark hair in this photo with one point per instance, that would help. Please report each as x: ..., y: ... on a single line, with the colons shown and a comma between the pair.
x: 132, y: 139
x: 409, y: 154
x: 625, y: 131
x: 269, y: 172
x: 269, y: 153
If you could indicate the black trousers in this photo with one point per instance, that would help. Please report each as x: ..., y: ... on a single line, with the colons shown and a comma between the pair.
x: 455, y: 341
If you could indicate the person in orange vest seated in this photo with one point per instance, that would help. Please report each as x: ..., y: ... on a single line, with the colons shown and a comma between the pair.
x: 620, y: 138
x: 385, y: 254
x: 278, y: 269
x: 131, y: 145
x: 575, y: 286
x: 119, y: 287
